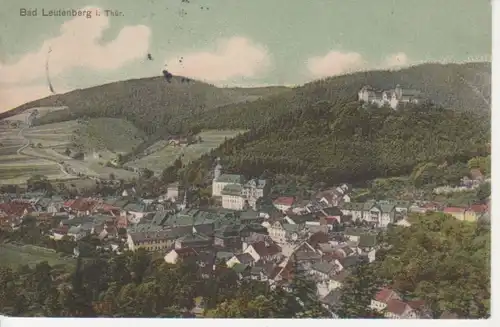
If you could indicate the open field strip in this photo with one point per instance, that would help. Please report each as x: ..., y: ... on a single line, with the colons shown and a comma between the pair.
x: 166, y: 156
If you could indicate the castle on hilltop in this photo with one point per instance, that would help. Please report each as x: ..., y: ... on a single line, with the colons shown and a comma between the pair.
x: 392, y: 98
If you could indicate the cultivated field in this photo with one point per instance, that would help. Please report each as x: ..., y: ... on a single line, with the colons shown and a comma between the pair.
x: 165, y: 157
x: 16, y: 168
x: 26, y: 151
x: 14, y: 255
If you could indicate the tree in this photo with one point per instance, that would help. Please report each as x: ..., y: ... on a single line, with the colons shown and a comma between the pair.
x: 39, y: 183
x: 358, y: 291
x: 484, y: 191
x: 147, y: 173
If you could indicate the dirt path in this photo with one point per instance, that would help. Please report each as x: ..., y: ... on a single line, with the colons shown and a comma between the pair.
x: 27, y: 144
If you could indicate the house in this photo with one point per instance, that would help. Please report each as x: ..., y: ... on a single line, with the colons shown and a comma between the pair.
x: 332, y: 213
x: 381, y: 299
x: 134, y: 211
x: 79, y: 232
x: 330, y: 197
x: 264, y: 271
x: 392, y: 98
x: 58, y: 233
x: 475, y: 211
x: 173, y: 193
x: 401, y: 207
x: 323, y: 270
x: 397, y: 309
x: 150, y: 240
x: 379, y: 214
x: 284, y: 203
x: 244, y: 259
x: 241, y: 270
x: 228, y: 237
x: 251, y: 217
x: 195, y: 241
x: 80, y: 206
x: 263, y: 251
x: 293, y: 233
x: 255, y: 189
x: 456, y: 212
x: 277, y: 232
x: 354, y: 234
x: 353, y: 209
x: 174, y: 255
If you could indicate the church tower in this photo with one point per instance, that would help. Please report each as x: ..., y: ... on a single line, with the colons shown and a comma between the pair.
x: 217, y: 169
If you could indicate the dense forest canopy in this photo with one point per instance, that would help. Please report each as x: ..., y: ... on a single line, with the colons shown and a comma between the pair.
x: 347, y: 142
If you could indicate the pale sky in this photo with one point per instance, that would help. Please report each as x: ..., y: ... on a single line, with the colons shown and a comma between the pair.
x: 234, y: 42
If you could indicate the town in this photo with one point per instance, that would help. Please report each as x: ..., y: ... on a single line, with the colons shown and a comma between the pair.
x: 259, y: 238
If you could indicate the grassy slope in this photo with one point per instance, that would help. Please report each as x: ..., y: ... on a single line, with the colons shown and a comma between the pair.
x: 166, y: 154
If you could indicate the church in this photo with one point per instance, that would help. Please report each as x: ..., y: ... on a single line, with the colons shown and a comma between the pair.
x: 235, y: 192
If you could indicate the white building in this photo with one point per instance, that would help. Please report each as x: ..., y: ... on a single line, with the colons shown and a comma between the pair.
x: 391, y: 98
x: 232, y: 197
x: 237, y: 193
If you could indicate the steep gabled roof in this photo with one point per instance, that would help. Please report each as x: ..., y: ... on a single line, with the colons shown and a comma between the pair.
x: 396, y: 307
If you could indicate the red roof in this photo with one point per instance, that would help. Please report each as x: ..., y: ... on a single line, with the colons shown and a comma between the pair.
x: 68, y: 203
x: 479, y: 208
x: 396, y: 306
x: 454, y: 210
x: 417, y: 304
x: 284, y: 200
x: 16, y: 208
x: 384, y: 295
x: 82, y: 204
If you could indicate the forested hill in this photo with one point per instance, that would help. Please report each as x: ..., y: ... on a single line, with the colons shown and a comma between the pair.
x: 346, y: 142
x: 157, y: 106
x: 149, y: 103
x: 462, y: 87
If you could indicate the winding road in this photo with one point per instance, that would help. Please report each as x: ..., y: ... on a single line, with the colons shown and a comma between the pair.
x: 27, y: 144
